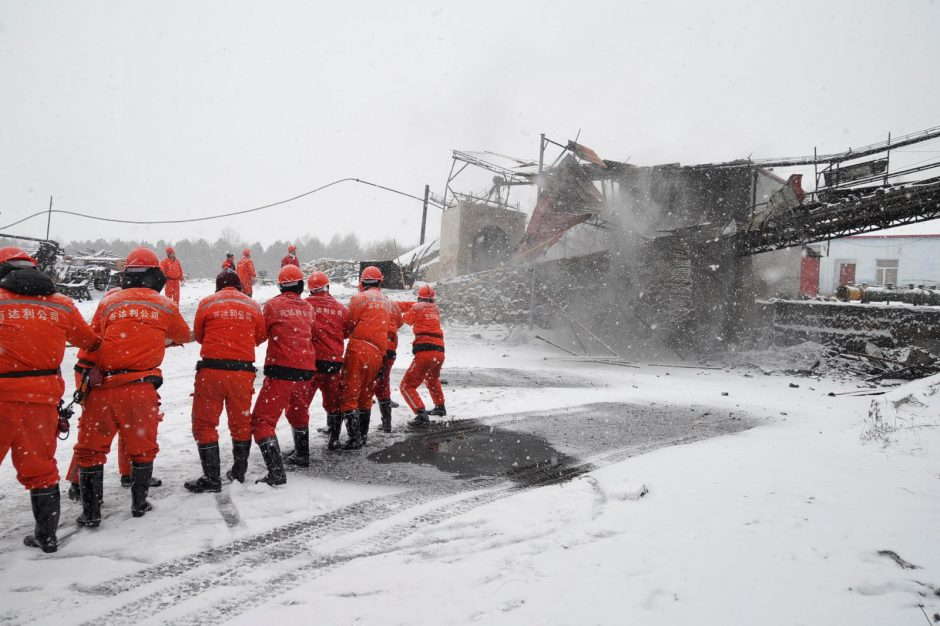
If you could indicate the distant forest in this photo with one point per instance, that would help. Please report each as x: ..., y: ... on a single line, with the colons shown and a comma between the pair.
x: 203, y: 259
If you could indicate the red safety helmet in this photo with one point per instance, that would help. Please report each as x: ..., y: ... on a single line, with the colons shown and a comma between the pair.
x: 426, y: 292
x: 246, y: 252
x: 292, y: 248
x: 170, y: 250
x: 318, y: 281
x: 371, y: 273
x: 289, y: 274
x: 12, y: 253
x: 142, y: 258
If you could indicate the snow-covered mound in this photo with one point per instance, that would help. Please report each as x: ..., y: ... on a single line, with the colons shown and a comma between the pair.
x: 913, y: 406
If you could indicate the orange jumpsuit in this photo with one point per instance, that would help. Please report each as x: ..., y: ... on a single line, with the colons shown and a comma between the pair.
x: 289, y: 362
x: 134, y: 325
x: 383, y: 384
x: 86, y: 361
x: 174, y: 276
x: 229, y: 325
x: 33, y: 332
x: 368, y: 324
x: 246, y: 274
x: 428, y: 350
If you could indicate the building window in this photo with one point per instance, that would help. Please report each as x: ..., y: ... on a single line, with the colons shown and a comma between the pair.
x: 886, y: 272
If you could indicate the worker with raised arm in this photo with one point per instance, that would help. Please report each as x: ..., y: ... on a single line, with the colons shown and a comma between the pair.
x: 428, y: 349
x: 35, y: 323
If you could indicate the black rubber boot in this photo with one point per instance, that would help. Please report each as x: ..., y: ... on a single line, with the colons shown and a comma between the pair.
x: 353, y: 431
x: 385, y: 409
x: 365, y: 417
x: 75, y: 492
x: 421, y: 420
x: 240, y: 453
x: 91, y: 484
x: 334, y: 426
x: 141, y: 473
x: 438, y: 410
x: 127, y: 481
x: 271, y: 453
x: 301, y: 454
x: 46, y: 512
x: 211, y: 480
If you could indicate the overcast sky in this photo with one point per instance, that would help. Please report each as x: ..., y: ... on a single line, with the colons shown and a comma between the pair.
x: 176, y: 109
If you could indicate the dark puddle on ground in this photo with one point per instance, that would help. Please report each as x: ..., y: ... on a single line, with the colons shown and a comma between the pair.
x: 470, y: 449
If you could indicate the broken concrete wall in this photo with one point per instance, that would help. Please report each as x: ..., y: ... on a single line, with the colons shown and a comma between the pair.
x: 789, y: 322
x: 477, y: 237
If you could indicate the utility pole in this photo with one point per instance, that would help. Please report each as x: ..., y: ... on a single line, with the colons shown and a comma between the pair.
x: 424, y: 213
x: 538, y: 184
x: 49, y: 218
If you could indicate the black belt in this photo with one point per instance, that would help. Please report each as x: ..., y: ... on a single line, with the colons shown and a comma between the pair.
x: 390, y: 355
x: 31, y: 373
x: 329, y: 367
x: 229, y: 365
x: 153, y: 379
x: 281, y: 372
x: 426, y: 347
x: 117, y: 372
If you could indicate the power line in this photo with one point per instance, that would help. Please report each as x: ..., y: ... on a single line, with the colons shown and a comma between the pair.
x: 218, y: 216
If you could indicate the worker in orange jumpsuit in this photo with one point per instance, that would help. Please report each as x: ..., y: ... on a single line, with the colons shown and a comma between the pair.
x: 328, y: 344
x: 135, y: 325
x: 289, y: 366
x: 229, y: 325
x: 368, y: 326
x: 383, y: 384
x: 229, y: 262
x: 173, y: 271
x: 83, y: 367
x: 246, y: 272
x: 428, y: 350
x: 291, y: 258
x: 35, y: 323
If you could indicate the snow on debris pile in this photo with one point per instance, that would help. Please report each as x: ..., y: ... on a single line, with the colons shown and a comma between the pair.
x: 910, y: 407
x: 503, y: 295
x: 338, y: 270
x: 493, y: 297
x: 851, y: 359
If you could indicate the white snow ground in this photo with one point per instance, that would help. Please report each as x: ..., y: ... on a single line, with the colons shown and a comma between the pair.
x: 780, y: 524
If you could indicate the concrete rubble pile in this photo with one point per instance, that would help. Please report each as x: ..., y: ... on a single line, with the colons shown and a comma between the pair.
x: 505, y: 295
x: 851, y: 360
x: 338, y: 270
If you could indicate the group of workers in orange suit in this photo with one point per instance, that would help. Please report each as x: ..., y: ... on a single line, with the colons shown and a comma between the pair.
x: 118, y: 374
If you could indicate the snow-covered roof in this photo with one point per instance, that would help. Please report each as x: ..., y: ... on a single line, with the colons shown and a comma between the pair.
x: 420, y: 255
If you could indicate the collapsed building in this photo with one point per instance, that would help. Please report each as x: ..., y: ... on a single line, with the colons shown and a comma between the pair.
x: 657, y: 257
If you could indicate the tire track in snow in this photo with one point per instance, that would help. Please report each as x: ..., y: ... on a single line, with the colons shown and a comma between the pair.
x: 284, y: 552
x: 387, y: 541
x: 210, y: 574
